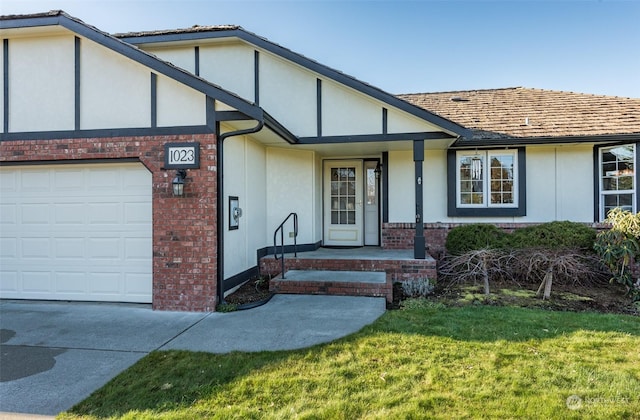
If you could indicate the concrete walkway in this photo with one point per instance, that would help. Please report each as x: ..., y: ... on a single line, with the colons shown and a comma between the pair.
x: 53, y: 355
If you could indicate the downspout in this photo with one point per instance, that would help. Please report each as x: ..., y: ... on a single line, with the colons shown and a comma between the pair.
x: 220, y: 198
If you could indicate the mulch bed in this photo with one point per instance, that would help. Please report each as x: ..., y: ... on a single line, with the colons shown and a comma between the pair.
x: 255, y: 290
x: 605, y: 297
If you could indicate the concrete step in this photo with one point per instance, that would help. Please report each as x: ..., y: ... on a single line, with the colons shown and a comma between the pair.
x: 335, y: 276
x: 339, y: 283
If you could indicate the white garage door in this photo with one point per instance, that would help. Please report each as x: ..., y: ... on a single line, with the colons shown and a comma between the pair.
x: 76, y: 232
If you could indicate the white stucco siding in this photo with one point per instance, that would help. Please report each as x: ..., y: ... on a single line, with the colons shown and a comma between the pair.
x: 230, y: 66
x: 401, y: 187
x: 345, y: 111
x: 256, y: 199
x: 401, y: 122
x: 434, y: 172
x: 179, y: 105
x: 41, y: 84
x: 291, y: 187
x: 183, y: 57
x: 289, y: 94
x: 115, y: 91
x: 244, y: 165
x: 575, y: 183
x: 560, y: 183
x: 559, y: 187
x: 541, y: 184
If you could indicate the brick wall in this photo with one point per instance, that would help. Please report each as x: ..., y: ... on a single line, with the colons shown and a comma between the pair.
x: 400, y: 235
x: 184, y: 228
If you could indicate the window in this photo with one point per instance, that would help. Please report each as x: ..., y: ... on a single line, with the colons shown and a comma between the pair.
x: 487, y: 179
x: 617, y: 178
x: 486, y: 183
x: 343, y: 196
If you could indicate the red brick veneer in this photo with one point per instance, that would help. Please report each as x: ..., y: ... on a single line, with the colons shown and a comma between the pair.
x: 400, y: 235
x: 396, y: 270
x: 184, y: 228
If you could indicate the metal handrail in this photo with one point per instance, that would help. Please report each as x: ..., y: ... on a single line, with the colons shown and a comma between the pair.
x: 295, y: 236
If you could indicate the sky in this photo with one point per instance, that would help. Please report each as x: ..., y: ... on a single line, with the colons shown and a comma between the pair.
x: 585, y: 46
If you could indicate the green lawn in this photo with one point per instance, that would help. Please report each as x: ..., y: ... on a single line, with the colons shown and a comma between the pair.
x: 420, y: 362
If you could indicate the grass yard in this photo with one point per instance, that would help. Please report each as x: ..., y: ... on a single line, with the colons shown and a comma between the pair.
x: 423, y: 361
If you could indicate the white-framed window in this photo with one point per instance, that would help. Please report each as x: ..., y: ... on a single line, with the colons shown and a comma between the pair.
x: 617, y: 178
x: 487, y: 179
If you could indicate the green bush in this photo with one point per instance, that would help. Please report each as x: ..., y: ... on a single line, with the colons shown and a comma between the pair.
x: 553, y: 235
x: 473, y: 237
x: 619, y: 249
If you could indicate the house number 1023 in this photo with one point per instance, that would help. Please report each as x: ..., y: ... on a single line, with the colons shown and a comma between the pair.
x: 178, y: 155
x: 182, y: 155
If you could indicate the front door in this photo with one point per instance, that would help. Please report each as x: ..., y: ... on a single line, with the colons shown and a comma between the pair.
x: 343, y: 203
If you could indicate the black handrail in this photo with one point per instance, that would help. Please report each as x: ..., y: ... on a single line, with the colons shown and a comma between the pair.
x: 295, y: 236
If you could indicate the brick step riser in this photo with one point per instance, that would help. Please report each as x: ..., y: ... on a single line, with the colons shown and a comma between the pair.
x: 331, y: 288
x: 397, y: 270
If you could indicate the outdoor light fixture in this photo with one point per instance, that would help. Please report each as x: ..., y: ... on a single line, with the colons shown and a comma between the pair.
x: 378, y: 170
x: 178, y: 182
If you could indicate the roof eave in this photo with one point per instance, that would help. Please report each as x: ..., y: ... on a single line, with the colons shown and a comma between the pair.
x: 523, y: 141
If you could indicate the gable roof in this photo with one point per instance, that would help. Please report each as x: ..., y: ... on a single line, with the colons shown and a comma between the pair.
x: 232, y: 31
x: 523, y: 115
x: 59, y: 17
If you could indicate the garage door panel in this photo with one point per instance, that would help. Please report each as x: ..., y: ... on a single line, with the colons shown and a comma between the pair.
x: 137, y: 249
x: 104, y: 248
x: 8, y: 247
x: 8, y: 182
x: 136, y: 213
x: 35, y: 248
x: 76, y: 232
x: 34, y: 180
x: 105, y: 283
x: 69, y: 180
x: 36, y: 281
x: 8, y: 214
x: 69, y: 213
x: 35, y: 213
x: 9, y: 281
x: 71, y: 282
x: 106, y: 213
x: 69, y: 248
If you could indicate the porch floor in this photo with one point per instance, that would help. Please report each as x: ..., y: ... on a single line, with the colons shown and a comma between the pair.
x: 361, y: 253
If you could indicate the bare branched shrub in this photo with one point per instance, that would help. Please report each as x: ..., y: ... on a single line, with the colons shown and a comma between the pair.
x: 530, y: 266
x: 476, y: 266
x: 568, y: 266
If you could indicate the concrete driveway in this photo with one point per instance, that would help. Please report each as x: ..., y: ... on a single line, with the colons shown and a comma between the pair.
x: 55, y: 354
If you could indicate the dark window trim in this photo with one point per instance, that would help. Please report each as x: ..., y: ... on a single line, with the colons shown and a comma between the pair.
x: 452, y: 176
x: 596, y: 176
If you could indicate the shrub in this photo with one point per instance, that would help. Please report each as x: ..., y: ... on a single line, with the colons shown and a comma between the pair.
x: 619, y: 247
x: 473, y: 237
x: 417, y: 288
x: 553, y: 235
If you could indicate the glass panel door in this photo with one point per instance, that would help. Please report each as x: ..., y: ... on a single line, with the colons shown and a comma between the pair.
x: 343, y: 203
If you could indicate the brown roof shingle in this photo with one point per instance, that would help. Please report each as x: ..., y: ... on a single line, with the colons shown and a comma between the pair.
x: 522, y: 113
